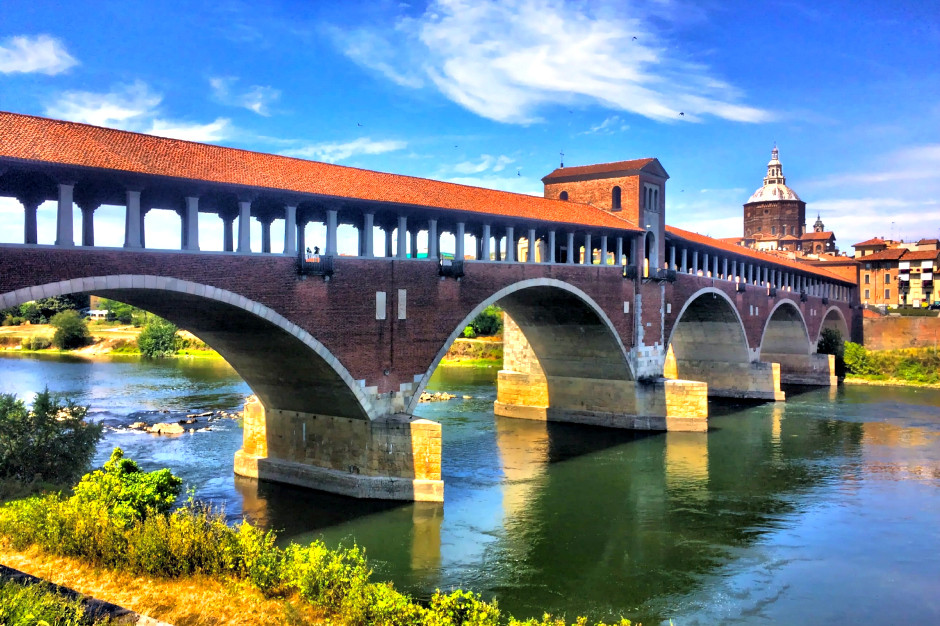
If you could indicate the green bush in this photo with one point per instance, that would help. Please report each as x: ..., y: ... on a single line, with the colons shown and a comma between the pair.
x: 469, y: 333
x: 158, y: 338
x: 123, y: 313
x: 13, y: 320
x: 856, y: 359
x: 36, y: 342
x: 30, y: 312
x: 128, y: 493
x: 71, y: 331
x: 38, y: 605
x: 831, y: 342
x: 49, y: 442
x: 489, y: 322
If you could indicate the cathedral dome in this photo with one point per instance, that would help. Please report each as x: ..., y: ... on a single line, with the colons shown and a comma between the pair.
x: 773, y: 191
x: 775, y: 183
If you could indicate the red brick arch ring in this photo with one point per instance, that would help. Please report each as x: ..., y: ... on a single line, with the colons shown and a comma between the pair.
x: 561, y: 323
x: 720, y: 334
x: 282, y: 363
x: 785, y: 331
x: 835, y: 319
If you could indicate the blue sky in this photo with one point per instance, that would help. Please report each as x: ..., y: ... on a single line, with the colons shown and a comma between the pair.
x: 489, y: 93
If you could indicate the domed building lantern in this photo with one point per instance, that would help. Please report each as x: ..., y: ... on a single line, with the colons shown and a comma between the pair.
x: 774, y: 216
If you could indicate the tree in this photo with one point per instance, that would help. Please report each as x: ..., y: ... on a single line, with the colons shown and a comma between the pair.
x: 830, y: 342
x: 50, y: 442
x: 119, y: 311
x: 71, y: 331
x: 489, y: 322
x: 30, y: 311
x: 48, y: 307
x: 158, y: 338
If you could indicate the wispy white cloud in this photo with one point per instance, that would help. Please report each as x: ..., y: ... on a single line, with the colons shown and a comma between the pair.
x: 257, y: 98
x: 133, y: 107
x: 332, y: 152
x: 42, y: 54
x: 505, y: 59
x: 609, y: 126
x: 486, y: 162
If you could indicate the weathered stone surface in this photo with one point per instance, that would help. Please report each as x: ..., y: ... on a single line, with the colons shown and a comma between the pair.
x: 166, y: 429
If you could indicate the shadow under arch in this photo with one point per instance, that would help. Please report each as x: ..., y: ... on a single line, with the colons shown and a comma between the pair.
x: 283, y: 364
x: 561, y: 323
x: 835, y: 320
x: 785, y: 332
x: 706, y: 330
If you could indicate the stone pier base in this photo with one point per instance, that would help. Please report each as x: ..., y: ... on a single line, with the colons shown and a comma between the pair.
x: 818, y: 370
x: 395, y: 458
x: 659, y: 404
x: 755, y: 380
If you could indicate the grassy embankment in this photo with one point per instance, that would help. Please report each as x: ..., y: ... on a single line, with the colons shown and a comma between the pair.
x: 107, y: 338
x: 479, y: 352
x: 188, y: 566
x: 917, y: 367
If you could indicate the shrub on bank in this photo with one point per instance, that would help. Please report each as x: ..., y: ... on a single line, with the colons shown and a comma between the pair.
x: 49, y: 442
x: 194, y: 539
x: 36, y: 342
x: 914, y: 365
x: 158, y: 338
x: 71, y: 331
x: 34, y: 604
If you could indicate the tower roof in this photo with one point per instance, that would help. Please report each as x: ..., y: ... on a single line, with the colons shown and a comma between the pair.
x: 775, y: 183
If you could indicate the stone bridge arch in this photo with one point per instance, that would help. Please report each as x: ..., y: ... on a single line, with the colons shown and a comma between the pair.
x: 285, y: 366
x: 785, y: 332
x: 709, y: 343
x: 834, y: 319
x: 559, y: 340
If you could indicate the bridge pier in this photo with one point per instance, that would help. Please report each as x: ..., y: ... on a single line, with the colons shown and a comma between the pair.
x: 524, y: 391
x: 805, y: 369
x: 755, y: 380
x: 394, y: 458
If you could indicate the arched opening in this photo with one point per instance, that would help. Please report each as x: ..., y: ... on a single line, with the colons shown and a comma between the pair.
x: 708, y: 344
x: 649, y: 253
x: 285, y: 366
x: 563, y: 195
x: 784, y: 334
x: 615, y: 199
x: 835, y: 320
x: 564, y: 337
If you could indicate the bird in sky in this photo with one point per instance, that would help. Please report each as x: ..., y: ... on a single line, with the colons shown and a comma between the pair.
x: 358, y: 124
x: 681, y: 113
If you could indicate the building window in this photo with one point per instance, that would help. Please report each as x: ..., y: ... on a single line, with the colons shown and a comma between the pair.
x: 887, y: 294
x: 615, y: 199
x: 887, y: 279
x: 773, y: 230
x: 563, y: 195
x: 867, y: 279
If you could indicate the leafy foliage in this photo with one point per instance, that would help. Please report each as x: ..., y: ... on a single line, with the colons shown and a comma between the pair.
x: 36, y: 342
x: 34, y: 604
x: 123, y: 313
x: 488, y: 323
x: 856, y: 359
x: 50, y: 442
x: 71, y: 331
x: 830, y: 342
x: 158, y: 338
x: 127, y: 492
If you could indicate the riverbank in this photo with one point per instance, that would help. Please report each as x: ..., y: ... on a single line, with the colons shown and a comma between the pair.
x: 480, y: 352
x: 875, y: 381
x: 107, y: 339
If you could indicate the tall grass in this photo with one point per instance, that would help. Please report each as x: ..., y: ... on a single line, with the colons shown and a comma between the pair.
x: 912, y: 365
x: 33, y: 604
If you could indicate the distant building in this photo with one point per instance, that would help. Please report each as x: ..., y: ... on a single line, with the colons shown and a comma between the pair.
x: 897, y: 273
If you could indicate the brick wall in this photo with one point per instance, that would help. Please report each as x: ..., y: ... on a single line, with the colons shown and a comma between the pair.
x: 895, y: 333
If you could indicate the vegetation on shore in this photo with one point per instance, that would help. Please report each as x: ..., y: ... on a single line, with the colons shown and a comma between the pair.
x: 38, y: 605
x: 910, y: 366
x: 123, y: 519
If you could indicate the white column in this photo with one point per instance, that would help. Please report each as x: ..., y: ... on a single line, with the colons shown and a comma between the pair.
x: 588, y: 257
x: 485, y: 248
x: 132, y: 220
x: 402, y: 237
x: 459, y: 237
x: 619, y: 251
x: 571, y: 252
x: 531, y: 238
x: 685, y: 261
x: 695, y: 262
x: 192, y: 223
x: 290, y: 230
x: 551, y: 246
x: 64, y: 233
x: 368, y: 235
x: 331, y: 232
x: 244, y: 226
x: 510, y: 245
x: 433, y: 239
x: 724, y: 268
x: 603, y: 249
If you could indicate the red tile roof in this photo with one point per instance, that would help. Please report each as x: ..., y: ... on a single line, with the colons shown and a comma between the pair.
x: 600, y: 168
x: 891, y: 254
x: 924, y: 242
x: 40, y: 139
x: 731, y: 240
x: 756, y: 255
x: 820, y: 236
x: 871, y: 242
x: 920, y: 255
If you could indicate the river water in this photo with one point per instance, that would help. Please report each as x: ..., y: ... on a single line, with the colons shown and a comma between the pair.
x: 824, y: 509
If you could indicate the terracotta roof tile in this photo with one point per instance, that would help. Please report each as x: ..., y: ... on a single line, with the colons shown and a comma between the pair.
x: 599, y: 168
x: 756, y: 255
x: 69, y: 143
x: 891, y: 254
x: 920, y: 255
x: 813, y: 236
x: 925, y: 242
x: 871, y: 242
